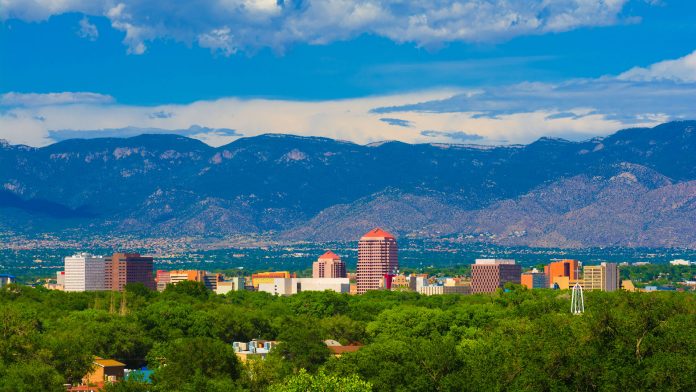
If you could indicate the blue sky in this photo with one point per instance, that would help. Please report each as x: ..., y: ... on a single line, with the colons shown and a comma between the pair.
x: 500, y: 72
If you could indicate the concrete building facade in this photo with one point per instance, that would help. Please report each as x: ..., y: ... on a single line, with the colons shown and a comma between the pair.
x: 377, y: 257
x: 487, y: 275
x: 603, y: 277
x: 234, y: 284
x: 440, y: 290
x: 290, y: 286
x: 84, y: 272
x: 124, y: 268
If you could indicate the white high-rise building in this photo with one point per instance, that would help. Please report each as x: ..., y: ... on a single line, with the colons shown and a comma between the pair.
x: 84, y: 272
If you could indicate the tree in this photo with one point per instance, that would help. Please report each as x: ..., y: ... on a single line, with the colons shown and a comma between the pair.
x: 188, y: 362
x: 321, y: 382
x: 134, y: 383
x: 301, y: 344
x: 343, y: 329
x: 187, y: 288
x: 30, y: 376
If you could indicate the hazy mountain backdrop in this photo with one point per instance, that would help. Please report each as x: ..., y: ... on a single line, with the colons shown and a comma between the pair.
x: 636, y: 187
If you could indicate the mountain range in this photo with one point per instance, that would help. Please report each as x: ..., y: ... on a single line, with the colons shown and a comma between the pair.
x: 636, y: 187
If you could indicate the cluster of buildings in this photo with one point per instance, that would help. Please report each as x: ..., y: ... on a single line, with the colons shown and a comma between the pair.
x: 213, y: 281
x: 377, y: 269
x: 255, y: 348
x: 328, y: 273
x: 259, y: 349
x: 87, y: 272
x: 564, y: 274
x: 378, y: 264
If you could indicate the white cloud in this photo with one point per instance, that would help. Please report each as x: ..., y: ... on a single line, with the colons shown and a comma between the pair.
x: 230, y: 25
x: 680, y: 70
x: 218, y: 40
x: 35, y: 99
x: 88, y: 30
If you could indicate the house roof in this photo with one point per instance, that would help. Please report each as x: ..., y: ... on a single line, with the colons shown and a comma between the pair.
x: 377, y: 233
x: 330, y: 255
x: 108, y: 362
x: 343, y: 349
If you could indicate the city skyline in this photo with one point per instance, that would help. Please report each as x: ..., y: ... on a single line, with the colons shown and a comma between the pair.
x: 377, y: 270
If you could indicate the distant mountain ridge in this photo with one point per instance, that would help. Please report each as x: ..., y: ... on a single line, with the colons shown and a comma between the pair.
x: 633, y: 188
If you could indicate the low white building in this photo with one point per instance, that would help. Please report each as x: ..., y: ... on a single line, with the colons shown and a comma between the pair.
x: 440, y: 290
x: 84, y: 272
x: 290, y: 286
x: 495, y: 261
x: 225, y: 286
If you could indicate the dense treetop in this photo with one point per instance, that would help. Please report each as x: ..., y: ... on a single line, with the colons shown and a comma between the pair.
x: 515, y: 340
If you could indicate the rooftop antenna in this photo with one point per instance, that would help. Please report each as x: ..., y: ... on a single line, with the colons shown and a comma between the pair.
x: 577, y: 301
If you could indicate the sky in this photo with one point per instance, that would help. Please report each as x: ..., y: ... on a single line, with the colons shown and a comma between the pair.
x: 420, y: 71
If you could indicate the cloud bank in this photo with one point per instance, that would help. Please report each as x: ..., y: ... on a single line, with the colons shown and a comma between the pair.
x: 519, y: 113
x: 226, y: 26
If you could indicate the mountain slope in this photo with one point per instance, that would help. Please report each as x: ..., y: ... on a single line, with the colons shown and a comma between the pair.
x: 634, y: 207
x: 545, y: 193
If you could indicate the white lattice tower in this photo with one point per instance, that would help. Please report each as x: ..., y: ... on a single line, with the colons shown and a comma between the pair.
x: 577, y: 301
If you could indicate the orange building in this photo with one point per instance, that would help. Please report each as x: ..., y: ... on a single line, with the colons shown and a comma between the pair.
x: 163, y: 278
x: 104, y: 370
x: 562, y: 272
x: 534, y: 280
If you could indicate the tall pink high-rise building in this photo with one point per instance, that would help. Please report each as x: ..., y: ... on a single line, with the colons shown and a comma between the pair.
x: 329, y: 265
x: 377, y: 257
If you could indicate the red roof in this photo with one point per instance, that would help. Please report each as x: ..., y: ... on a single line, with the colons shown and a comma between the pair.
x: 338, y: 350
x: 330, y: 255
x: 377, y: 232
